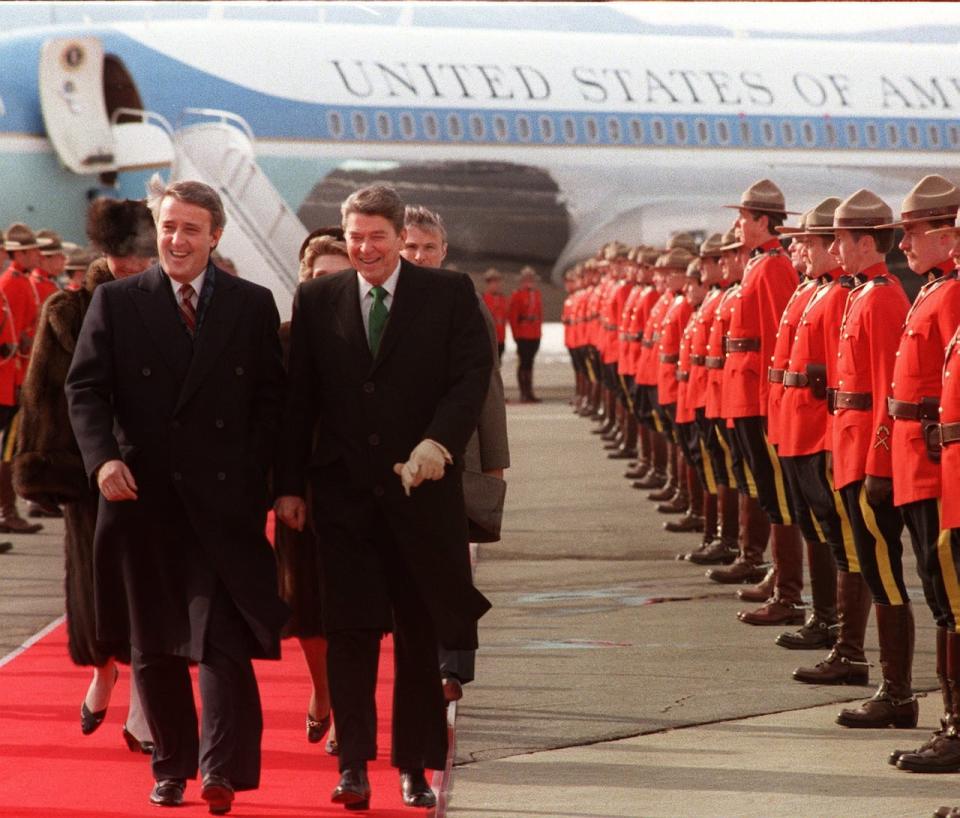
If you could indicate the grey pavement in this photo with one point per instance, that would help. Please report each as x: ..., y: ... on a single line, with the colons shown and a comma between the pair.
x: 614, y: 680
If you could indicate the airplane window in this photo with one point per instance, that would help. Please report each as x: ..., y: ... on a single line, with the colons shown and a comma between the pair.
x: 359, y: 124
x: 873, y: 135
x: 546, y: 129
x: 853, y: 134
x: 769, y: 135
x: 788, y: 133
x: 659, y: 131
x: 500, y: 128
x: 593, y: 132
x: 477, y: 127
x: 407, y: 127
x: 831, y: 131
x: 455, y: 126
x: 933, y: 135
x: 723, y: 132
x: 524, y: 131
x: 680, y: 131
x: 569, y: 129
x: 809, y: 134
x: 335, y: 124
x: 953, y: 133
x: 703, y: 134
x: 893, y: 134
x: 636, y: 130
x: 613, y: 129
x: 430, y: 126
x: 913, y: 135
x: 746, y: 137
x: 384, y: 126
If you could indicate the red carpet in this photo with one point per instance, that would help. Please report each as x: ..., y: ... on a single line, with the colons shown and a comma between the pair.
x: 49, y: 770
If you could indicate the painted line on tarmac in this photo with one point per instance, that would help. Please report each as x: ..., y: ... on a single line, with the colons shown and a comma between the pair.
x: 29, y: 643
x: 530, y: 416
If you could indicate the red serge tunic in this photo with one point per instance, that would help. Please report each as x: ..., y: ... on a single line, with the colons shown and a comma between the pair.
x: 611, y: 319
x: 668, y: 348
x: 917, y: 372
x: 806, y: 427
x: 8, y: 355
x: 766, y: 287
x: 15, y: 285
x: 865, y: 356
x: 715, y: 336
x: 526, y: 314
x: 781, y: 354
x: 686, y: 386
x: 43, y: 286
x: 646, y: 374
x: 950, y: 413
x: 499, y: 308
x: 627, y: 329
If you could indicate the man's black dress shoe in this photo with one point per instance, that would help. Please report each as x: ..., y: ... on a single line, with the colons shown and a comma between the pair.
x: 353, y: 791
x: 218, y: 793
x: 168, y: 792
x: 135, y: 745
x: 415, y: 790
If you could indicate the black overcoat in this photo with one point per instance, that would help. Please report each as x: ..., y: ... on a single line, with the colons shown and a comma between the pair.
x: 195, y: 421
x: 429, y: 380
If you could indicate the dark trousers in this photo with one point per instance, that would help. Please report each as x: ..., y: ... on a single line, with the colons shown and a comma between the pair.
x: 876, y: 534
x: 419, y: 734
x: 922, y: 519
x: 232, y: 723
x: 526, y: 352
x: 765, y: 467
x: 949, y: 551
x: 716, y: 456
x: 810, y: 484
x: 737, y: 470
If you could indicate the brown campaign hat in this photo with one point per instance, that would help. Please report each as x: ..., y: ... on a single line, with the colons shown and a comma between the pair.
x: 864, y: 210
x: 51, y: 244
x: 932, y: 198
x: 492, y: 274
x: 818, y: 221
x: 615, y: 250
x: 683, y: 240
x: 649, y: 255
x: 730, y: 241
x: 527, y: 272
x: 675, y: 259
x: 954, y: 229
x: 79, y: 258
x: 693, y: 269
x: 763, y: 196
x: 711, y: 245
x: 19, y: 237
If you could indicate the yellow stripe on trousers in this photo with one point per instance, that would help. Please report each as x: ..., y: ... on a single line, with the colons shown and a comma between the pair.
x: 779, y: 483
x: 728, y: 460
x: 881, y: 550
x: 849, y: 548
x: 10, y: 438
x: 949, y: 570
x: 708, y: 468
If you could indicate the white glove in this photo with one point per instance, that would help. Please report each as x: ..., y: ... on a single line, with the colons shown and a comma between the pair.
x: 426, y: 462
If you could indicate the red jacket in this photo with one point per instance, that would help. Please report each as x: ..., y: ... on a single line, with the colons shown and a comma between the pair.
x: 15, y: 285
x: 526, y: 314
x: 498, y: 305
x: 646, y: 373
x: 43, y: 286
x: 668, y: 347
x: 716, y: 377
x: 917, y: 373
x: 699, y: 340
x: 627, y: 330
x: 686, y: 396
x: 611, y: 320
x: 805, y: 425
x: 8, y: 355
x: 865, y: 356
x: 768, y: 282
x: 781, y: 354
x: 950, y: 413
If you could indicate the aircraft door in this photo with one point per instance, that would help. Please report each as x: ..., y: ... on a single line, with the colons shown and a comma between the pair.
x: 73, y: 106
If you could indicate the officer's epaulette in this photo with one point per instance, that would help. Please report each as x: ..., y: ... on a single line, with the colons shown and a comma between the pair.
x: 848, y: 282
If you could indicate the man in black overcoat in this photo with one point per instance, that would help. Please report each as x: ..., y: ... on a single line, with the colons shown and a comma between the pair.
x: 175, y: 393
x: 389, y: 367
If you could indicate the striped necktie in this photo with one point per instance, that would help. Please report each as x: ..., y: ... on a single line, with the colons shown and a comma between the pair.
x: 187, y: 310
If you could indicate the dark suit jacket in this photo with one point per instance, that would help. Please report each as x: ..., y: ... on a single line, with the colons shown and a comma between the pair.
x: 428, y: 381
x: 196, y: 423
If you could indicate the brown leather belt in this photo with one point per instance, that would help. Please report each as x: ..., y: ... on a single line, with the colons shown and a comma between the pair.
x: 713, y: 362
x: 668, y: 358
x: 795, y: 379
x: 949, y: 433
x: 741, y: 344
x: 698, y: 360
x: 655, y: 337
x: 683, y: 376
x: 648, y: 344
x: 926, y: 409
x: 774, y: 375
x: 854, y: 400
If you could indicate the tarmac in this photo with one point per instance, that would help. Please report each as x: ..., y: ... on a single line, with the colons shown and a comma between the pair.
x: 613, y: 680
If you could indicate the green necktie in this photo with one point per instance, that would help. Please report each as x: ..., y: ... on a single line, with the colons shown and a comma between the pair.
x: 377, y: 320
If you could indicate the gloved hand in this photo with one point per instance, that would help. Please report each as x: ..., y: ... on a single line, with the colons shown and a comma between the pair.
x: 426, y: 462
x: 878, y: 489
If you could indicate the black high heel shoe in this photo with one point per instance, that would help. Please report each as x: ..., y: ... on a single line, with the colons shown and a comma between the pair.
x: 90, y: 720
x: 317, y: 729
x: 135, y: 745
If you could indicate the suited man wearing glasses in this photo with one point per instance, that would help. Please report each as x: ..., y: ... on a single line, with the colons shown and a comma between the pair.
x: 394, y: 362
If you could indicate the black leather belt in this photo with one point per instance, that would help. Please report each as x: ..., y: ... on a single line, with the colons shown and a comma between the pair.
x: 668, y: 358
x: 854, y: 400
x: 698, y: 360
x: 795, y: 379
x: 741, y: 344
x: 713, y: 362
x: 926, y: 409
x: 683, y: 376
x: 774, y: 375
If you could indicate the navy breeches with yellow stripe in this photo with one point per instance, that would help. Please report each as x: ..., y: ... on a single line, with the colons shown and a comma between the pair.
x: 764, y: 464
x: 936, y: 561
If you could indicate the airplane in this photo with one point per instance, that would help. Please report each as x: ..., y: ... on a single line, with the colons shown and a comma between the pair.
x: 535, y: 145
